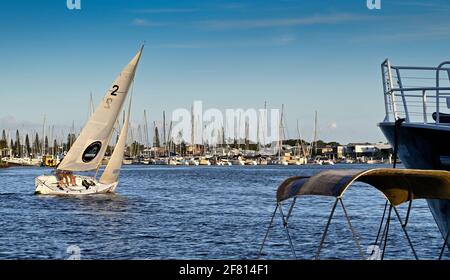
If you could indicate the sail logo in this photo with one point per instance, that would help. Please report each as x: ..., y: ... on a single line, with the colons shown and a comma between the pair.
x: 374, y: 4
x: 73, y: 4
x: 91, y: 151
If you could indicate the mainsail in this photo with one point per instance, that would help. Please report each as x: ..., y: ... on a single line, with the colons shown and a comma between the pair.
x: 112, y: 170
x: 89, y: 149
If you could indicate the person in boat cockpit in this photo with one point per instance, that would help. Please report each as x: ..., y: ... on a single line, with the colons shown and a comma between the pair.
x: 60, y: 177
x: 64, y: 177
x: 71, y: 177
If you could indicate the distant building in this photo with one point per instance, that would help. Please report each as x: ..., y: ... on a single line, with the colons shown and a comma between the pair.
x: 334, y: 152
x: 367, y: 150
x: 339, y: 151
x: 5, y: 152
x: 357, y: 150
x: 326, y: 150
x: 383, y: 147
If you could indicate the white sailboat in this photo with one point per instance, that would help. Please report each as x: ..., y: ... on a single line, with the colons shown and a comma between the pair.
x: 88, y: 151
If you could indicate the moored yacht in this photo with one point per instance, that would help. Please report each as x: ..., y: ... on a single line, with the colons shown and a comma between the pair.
x: 417, y: 120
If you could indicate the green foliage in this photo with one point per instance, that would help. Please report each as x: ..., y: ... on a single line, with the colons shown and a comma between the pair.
x: 3, y: 144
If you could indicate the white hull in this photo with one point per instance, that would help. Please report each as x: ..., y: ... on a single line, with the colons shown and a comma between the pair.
x: 23, y: 161
x: 237, y: 162
x: 127, y: 162
x: 194, y: 162
x: 48, y: 185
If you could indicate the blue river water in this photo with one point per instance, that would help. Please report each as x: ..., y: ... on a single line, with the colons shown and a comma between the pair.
x: 196, y: 213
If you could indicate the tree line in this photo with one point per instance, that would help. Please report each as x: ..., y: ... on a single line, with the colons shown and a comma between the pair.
x: 34, y: 146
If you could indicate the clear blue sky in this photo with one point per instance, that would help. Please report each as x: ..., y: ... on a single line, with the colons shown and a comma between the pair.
x: 310, y: 55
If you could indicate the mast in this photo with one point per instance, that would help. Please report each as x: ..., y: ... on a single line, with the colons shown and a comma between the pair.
x: 132, y: 145
x: 240, y: 131
x: 280, y: 135
x: 258, y: 143
x: 43, y: 137
x: 203, y: 144
x: 263, y: 125
x: 265, y: 122
x: 247, y: 141
x: 50, y: 141
x: 140, y: 140
x: 315, y: 133
x: 147, y: 144
x: 169, y: 139
x: 164, y: 133
x: 192, y: 129
x: 299, y: 134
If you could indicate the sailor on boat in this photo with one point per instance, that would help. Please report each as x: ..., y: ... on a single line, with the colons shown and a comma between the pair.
x: 88, y: 151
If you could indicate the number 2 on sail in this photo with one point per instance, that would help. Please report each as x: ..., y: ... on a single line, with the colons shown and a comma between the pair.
x: 113, y: 93
x: 115, y: 89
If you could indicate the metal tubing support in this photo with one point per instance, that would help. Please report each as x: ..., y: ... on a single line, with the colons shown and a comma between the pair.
x: 381, y: 224
x: 267, y: 232
x: 285, y: 224
x: 405, y: 106
x: 445, y: 245
x: 326, y: 229
x: 386, y: 105
x: 388, y: 221
x: 384, y: 233
x: 355, y: 237
x: 290, y: 209
x: 409, y: 210
x: 438, y: 100
x: 424, y: 102
x: 391, y: 86
x: 406, y: 233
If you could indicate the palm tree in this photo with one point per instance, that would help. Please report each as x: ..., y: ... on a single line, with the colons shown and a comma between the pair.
x: 27, y: 145
x: 18, y: 147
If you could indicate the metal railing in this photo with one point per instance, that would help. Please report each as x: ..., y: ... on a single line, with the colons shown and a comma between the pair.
x: 416, y: 93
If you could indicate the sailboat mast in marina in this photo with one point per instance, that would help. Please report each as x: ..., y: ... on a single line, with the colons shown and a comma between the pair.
x: 88, y: 150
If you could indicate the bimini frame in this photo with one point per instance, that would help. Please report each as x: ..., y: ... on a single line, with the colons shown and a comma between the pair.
x: 397, y: 185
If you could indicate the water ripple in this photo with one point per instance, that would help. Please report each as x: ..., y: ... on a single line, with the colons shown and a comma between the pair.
x: 193, y: 213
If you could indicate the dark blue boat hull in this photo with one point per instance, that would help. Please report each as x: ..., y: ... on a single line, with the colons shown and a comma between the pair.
x: 424, y: 148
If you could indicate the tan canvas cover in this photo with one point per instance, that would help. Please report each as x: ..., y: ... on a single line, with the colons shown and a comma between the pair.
x: 398, y: 185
